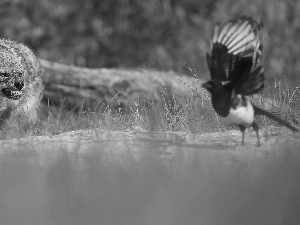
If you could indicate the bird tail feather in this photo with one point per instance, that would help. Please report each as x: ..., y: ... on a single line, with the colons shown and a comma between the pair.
x: 259, y: 111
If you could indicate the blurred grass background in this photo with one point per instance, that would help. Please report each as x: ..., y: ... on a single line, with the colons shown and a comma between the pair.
x: 161, y: 34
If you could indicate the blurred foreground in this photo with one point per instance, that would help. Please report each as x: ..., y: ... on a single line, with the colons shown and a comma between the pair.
x: 168, y: 180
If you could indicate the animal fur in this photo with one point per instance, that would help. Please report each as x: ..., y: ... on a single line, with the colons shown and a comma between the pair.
x: 20, y: 83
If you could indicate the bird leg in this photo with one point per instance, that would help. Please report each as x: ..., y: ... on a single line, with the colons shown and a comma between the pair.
x: 242, y: 128
x: 255, y: 128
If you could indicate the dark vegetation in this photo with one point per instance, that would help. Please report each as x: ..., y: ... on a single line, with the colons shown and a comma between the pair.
x: 161, y: 34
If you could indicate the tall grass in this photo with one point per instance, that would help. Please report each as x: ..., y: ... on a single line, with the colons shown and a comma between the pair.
x: 191, y: 113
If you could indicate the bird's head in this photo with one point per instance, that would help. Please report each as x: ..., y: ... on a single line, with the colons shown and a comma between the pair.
x: 213, y: 86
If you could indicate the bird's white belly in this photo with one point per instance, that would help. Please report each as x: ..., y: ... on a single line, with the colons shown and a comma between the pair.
x: 241, y: 115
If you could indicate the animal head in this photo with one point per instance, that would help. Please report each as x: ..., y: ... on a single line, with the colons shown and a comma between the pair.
x: 12, y: 74
x: 213, y: 86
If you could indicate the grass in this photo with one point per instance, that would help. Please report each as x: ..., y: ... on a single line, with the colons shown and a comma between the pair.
x: 190, y: 113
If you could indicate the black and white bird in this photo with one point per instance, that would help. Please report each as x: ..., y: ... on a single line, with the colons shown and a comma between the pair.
x: 235, y: 65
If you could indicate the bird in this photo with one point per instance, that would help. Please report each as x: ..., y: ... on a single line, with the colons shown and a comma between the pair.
x: 235, y: 64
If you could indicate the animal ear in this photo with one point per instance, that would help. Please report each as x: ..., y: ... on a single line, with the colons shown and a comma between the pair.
x: 208, y: 58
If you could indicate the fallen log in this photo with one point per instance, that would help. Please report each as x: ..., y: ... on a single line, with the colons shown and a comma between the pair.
x: 82, y: 86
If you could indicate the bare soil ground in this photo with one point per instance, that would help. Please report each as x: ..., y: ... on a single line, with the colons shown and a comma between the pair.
x: 136, y: 141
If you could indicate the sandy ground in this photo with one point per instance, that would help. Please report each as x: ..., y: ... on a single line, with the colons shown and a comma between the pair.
x: 226, y: 144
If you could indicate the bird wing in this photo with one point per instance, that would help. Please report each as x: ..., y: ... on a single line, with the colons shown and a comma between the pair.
x: 251, y: 83
x: 236, y: 54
